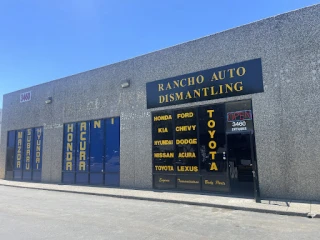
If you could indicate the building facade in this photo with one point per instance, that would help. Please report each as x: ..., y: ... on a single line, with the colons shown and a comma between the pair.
x: 199, y: 116
x: 0, y: 122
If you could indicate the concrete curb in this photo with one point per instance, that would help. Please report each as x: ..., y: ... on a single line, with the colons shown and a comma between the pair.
x: 258, y: 210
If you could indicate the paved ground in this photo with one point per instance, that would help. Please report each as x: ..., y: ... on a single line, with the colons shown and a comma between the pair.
x: 276, y: 206
x: 38, y: 214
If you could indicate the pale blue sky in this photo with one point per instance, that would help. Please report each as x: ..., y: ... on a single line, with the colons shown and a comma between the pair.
x: 43, y: 40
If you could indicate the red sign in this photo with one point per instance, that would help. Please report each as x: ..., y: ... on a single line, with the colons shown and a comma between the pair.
x: 239, y: 115
x: 25, y: 97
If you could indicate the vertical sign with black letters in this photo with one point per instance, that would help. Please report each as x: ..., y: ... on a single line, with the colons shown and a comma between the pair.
x: 163, y: 149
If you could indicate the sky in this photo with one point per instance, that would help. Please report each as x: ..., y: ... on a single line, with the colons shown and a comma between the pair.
x: 44, y: 40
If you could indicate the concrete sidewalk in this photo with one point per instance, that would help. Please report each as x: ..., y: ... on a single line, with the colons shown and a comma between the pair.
x: 293, y: 208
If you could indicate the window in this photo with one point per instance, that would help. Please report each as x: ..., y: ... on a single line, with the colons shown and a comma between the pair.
x: 91, y: 152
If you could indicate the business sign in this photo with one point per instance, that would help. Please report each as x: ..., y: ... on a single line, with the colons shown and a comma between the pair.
x: 164, y: 181
x: 239, y: 116
x: 163, y: 143
x: 189, y: 149
x: 28, y: 138
x: 25, y: 97
x: 212, y: 139
x: 82, y: 156
x: 69, y: 146
x: 28, y: 153
x: 227, y: 81
x: 38, y: 142
x: 19, y: 149
x: 186, y: 141
x: 190, y: 146
x: 37, y: 154
x: 91, y: 152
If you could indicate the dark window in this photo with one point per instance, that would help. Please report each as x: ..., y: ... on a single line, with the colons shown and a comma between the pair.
x: 92, y: 152
x: 10, y: 150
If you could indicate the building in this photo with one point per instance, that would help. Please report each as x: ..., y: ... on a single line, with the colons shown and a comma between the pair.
x: 0, y: 122
x: 199, y: 116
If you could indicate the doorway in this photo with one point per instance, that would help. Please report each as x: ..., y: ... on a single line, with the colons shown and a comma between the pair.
x: 241, y: 163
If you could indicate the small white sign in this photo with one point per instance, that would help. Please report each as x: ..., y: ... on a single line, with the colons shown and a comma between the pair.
x: 25, y: 97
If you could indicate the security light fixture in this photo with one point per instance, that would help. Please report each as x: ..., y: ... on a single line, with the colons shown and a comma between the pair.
x: 125, y: 84
x: 49, y: 100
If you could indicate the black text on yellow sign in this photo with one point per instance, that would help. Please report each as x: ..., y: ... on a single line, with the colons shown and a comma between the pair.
x: 38, y: 148
x: 19, y: 148
x: 212, y: 143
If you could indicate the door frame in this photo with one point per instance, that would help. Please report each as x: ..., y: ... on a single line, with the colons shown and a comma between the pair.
x: 256, y: 188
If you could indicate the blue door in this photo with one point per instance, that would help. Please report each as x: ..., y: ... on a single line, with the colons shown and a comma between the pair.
x: 97, y: 130
x: 112, y: 157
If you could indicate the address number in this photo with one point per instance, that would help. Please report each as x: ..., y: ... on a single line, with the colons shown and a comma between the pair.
x: 239, y: 124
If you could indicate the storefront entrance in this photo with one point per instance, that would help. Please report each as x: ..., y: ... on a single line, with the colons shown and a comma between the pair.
x: 207, y: 148
x: 241, y: 158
